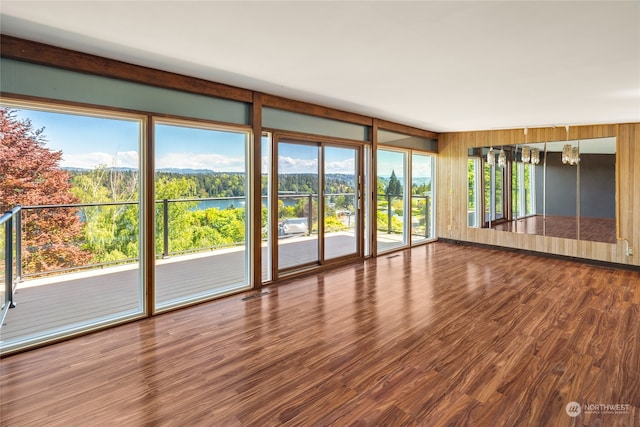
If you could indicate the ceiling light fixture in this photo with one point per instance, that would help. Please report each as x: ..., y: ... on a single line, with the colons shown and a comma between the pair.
x: 491, y: 155
x: 502, y: 159
x: 535, y: 156
x: 570, y: 155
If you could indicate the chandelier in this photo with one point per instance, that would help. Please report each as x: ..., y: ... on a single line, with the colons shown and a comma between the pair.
x: 529, y: 154
x: 535, y: 156
x: 570, y: 155
x: 491, y: 155
x: 502, y: 159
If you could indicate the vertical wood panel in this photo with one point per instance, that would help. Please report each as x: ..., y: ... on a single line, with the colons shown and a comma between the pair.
x: 373, y: 186
x: 256, y: 212
x: 148, y: 217
x: 629, y: 188
x: 452, y: 187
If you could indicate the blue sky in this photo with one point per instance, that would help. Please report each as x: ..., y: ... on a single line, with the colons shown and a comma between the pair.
x: 90, y: 141
x: 193, y: 148
x: 299, y: 158
x: 389, y: 161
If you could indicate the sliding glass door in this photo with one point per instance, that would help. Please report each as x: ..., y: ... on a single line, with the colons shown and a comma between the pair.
x: 392, y: 201
x: 298, y: 188
x: 340, y: 201
x: 318, y: 213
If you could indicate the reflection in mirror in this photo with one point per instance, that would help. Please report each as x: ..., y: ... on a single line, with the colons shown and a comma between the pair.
x: 561, y: 196
x: 597, y: 191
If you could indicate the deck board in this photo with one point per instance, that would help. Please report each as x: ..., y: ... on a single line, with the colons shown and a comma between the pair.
x: 51, y: 305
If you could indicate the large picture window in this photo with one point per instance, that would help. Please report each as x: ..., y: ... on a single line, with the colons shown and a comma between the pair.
x: 405, y: 212
x: 76, y: 175
x: 202, y: 211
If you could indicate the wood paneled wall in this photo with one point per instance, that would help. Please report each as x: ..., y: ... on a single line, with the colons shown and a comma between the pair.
x: 452, y: 192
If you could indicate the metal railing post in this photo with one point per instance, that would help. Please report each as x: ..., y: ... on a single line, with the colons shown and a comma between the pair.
x: 8, y: 260
x: 310, y: 213
x: 18, y: 246
x: 388, y: 214
x: 165, y: 228
x: 427, y: 222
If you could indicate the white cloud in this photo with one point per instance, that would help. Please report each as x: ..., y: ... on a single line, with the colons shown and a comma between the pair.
x: 215, y: 162
x: 290, y: 165
x: 346, y: 166
x: 126, y: 159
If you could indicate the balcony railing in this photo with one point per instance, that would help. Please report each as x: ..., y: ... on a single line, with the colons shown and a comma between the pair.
x: 420, y: 207
x: 86, y: 211
x: 10, y: 225
x: 166, y: 212
x: 16, y: 227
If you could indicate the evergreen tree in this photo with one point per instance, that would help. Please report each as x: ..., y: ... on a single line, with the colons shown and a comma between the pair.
x: 394, y: 188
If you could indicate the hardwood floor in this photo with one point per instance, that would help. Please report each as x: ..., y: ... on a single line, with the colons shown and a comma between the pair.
x: 439, y: 335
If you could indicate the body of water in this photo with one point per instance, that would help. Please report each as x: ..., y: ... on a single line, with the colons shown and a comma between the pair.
x: 220, y: 204
x: 235, y: 203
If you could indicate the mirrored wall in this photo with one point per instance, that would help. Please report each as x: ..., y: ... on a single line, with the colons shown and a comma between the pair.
x: 559, y: 188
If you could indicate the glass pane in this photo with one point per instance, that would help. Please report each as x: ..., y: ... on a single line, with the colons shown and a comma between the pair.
x: 80, y: 220
x: 265, y: 190
x: 3, y: 269
x: 367, y: 201
x: 298, y: 187
x: 390, y: 211
x: 340, y: 171
x: 201, y: 213
x: 499, y: 188
x: 516, y: 190
x: 421, y: 198
x: 597, y: 189
x: 529, y: 189
x: 561, y: 195
x: 488, y: 192
x: 472, y: 204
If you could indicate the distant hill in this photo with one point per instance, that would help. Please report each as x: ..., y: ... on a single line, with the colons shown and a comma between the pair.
x: 187, y: 171
x: 80, y: 170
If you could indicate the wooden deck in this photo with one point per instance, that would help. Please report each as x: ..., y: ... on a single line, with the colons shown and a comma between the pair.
x: 51, y: 306
x: 439, y: 335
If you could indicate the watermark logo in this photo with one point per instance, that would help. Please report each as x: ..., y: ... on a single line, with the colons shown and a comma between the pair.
x: 606, y: 408
x: 573, y: 409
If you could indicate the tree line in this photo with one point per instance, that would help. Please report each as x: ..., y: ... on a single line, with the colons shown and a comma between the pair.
x: 63, y: 238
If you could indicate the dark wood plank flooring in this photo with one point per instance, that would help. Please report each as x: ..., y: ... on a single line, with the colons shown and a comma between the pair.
x: 438, y: 335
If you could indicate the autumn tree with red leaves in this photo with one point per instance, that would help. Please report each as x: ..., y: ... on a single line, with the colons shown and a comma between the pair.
x: 30, y: 176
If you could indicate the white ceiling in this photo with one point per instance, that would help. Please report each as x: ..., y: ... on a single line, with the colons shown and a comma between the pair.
x: 442, y: 66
